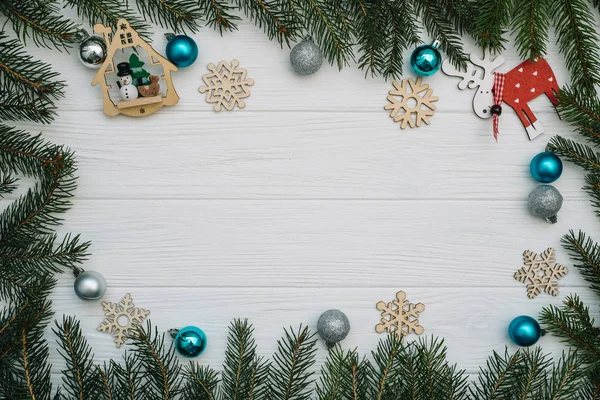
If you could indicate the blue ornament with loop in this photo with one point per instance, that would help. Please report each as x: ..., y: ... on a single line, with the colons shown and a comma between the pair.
x: 546, y: 167
x: 181, y: 50
x: 426, y: 59
x: 190, y: 341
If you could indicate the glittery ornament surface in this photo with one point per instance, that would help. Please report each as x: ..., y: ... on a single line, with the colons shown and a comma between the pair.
x: 306, y: 57
x: 333, y: 326
x: 545, y: 201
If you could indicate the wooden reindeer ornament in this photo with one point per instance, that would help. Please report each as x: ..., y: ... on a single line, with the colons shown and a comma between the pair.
x: 516, y: 88
x: 132, y: 104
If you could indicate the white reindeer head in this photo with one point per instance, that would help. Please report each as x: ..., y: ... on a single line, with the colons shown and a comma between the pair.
x: 480, y: 79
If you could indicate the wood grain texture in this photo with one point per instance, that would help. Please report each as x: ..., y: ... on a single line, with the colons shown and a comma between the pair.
x: 302, y: 203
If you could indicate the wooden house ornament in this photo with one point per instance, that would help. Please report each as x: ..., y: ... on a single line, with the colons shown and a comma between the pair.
x: 122, y: 38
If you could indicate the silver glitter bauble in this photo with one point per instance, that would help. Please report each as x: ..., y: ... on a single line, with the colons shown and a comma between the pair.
x: 333, y: 326
x: 90, y: 285
x: 306, y: 57
x: 545, y: 201
x: 92, y: 50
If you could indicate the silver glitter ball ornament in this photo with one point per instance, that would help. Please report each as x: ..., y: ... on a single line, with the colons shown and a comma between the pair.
x: 306, y: 57
x: 89, y: 285
x: 92, y: 50
x: 333, y: 326
x: 545, y: 201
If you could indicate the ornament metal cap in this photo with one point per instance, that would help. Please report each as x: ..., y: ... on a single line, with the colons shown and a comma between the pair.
x: 169, y: 36
x: 173, y: 332
x: 553, y: 219
x: 436, y: 43
x: 82, y: 34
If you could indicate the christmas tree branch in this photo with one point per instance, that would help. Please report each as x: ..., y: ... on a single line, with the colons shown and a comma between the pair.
x: 158, y: 361
x: 566, y: 377
x: 336, y: 376
x: 276, y: 18
x: 490, y: 24
x: 579, y: 154
x: 499, y: 377
x: 201, y: 382
x: 586, y: 256
x: 127, y: 382
x: 593, y: 188
x: 218, y: 14
x: 80, y: 379
x: 40, y: 21
x: 384, y: 374
x: 290, y: 375
x: 108, y: 12
x: 577, y: 39
x: 581, y: 110
x: 177, y: 15
x: 7, y: 184
x: 530, y: 22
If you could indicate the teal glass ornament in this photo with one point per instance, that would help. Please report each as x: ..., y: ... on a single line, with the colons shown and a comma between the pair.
x: 524, y: 331
x: 190, y: 341
x: 181, y: 50
x: 546, y: 167
x: 426, y: 59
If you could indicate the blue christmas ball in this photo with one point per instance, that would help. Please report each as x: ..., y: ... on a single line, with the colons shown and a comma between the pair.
x: 182, y: 51
x: 524, y: 331
x: 426, y: 59
x: 546, y: 167
x: 190, y: 341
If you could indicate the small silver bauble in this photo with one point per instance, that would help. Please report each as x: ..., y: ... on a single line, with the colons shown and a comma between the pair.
x: 333, y: 326
x: 545, y: 201
x: 306, y: 57
x: 92, y: 50
x: 89, y: 285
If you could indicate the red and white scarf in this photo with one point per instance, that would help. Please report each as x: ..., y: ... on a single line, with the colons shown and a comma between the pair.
x: 497, y: 90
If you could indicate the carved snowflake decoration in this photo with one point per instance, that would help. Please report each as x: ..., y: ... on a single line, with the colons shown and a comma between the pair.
x: 226, y: 85
x: 400, y: 316
x: 121, y: 317
x: 540, y: 273
x: 404, y: 104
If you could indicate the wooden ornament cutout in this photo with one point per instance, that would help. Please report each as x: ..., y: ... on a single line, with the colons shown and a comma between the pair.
x: 120, y: 318
x: 124, y: 37
x: 226, y: 85
x: 540, y: 273
x: 405, y: 104
x: 400, y: 316
x: 522, y: 84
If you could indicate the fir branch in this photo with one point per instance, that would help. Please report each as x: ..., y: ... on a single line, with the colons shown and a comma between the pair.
x: 291, y: 375
x: 566, y: 377
x: 577, y: 39
x: 581, y: 110
x: 432, y: 374
x: 371, y: 35
x: 530, y: 22
x: 437, y: 25
x: 579, y: 154
x: 80, y: 379
x: 460, y: 13
x: 276, y: 18
x: 384, y: 375
x: 7, y: 185
x: 329, y: 28
x: 159, y: 362
x: 40, y: 21
x: 239, y: 369
x: 585, y: 254
x: 499, y: 377
x: 108, y: 12
x: 28, y: 87
x: 335, y: 382
x: 127, y: 382
x: 177, y: 15
x: 201, y: 382
x: 573, y: 324
x: 490, y: 24
x: 532, y: 374
x: 218, y: 15
x: 593, y: 188
x: 45, y: 255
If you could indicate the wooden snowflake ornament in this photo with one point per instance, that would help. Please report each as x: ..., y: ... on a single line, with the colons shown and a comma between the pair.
x: 226, y: 85
x: 400, y: 316
x: 540, y: 273
x: 121, y: 317
x: 404, y: 103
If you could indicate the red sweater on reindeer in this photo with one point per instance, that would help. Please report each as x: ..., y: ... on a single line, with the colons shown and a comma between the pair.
x: 516, y: 88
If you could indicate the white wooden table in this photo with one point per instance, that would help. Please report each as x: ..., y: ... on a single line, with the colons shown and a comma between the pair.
x: 310, y: 198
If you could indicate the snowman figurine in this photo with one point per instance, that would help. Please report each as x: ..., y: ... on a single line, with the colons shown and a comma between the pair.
x: 127, y: 89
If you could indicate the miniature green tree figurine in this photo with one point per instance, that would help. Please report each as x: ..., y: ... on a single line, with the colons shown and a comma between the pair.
x: 140, y: 75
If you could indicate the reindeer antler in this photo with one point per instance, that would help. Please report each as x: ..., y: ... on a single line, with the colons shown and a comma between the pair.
x: 486, y: 62
x: 471, y: 77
